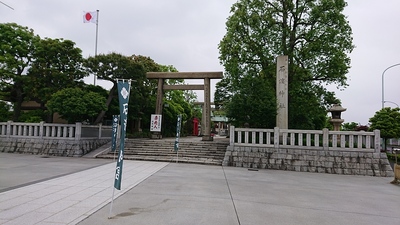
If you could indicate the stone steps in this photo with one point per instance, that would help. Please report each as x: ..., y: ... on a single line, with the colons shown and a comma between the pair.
x: 190, y: 150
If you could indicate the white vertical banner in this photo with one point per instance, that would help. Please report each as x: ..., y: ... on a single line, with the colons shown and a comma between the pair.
x: 155, y: 124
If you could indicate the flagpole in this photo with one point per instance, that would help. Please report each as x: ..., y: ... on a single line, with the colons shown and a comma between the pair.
x: 95, y: 48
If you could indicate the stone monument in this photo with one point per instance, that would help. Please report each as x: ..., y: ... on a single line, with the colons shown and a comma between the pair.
x: 282, y: 91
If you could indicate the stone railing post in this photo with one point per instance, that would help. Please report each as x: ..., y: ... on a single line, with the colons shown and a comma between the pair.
x: 8, y: 130
x: 232, y: 135
x: 41, y: 129
x: 377, y: 141
x: 78, y: 131
x: 325, y: 139
x: 276, y: 137
x: 100, y: 127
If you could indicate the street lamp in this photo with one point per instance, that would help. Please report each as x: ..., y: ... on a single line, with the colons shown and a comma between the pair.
x: 383, y: 87
x: 392, y: 103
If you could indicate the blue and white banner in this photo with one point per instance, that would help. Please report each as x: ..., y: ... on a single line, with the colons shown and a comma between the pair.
x: 124, y: 87
x: 178, y: 132
x: 114, y: 132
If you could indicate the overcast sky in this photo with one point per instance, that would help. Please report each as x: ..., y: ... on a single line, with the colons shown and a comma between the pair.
x: 186, y: 33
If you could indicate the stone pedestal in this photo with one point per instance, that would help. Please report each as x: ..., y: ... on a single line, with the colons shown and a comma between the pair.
x: 337, y: 123
x: 207, y: 138
x: 156, y: 135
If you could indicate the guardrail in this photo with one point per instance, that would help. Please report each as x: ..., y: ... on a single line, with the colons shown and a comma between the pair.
x: 306, y: 139
x: 43, y: 130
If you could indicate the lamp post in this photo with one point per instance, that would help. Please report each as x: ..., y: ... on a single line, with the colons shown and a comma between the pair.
x: 392, y: 103
x: 383, y: 86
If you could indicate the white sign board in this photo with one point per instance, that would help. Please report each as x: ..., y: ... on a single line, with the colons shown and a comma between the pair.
x: 155, y: 124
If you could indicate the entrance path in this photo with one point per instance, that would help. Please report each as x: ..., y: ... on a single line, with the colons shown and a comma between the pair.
x: 170, y: 193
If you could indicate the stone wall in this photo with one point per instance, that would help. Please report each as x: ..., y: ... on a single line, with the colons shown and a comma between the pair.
x: 54, y: 147
x: 318, y: 161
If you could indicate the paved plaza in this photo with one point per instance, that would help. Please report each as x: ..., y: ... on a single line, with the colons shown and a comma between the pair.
x: 56, y: 190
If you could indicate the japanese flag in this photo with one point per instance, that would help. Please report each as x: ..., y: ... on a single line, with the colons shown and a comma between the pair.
x: 89, y: 17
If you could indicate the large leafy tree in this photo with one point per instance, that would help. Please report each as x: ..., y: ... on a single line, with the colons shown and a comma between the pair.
x: 258, y: 111
x: 17, y: 46
x: 143, y: 91
x: 112, y: 67
x: 387, y: 120
x: 57, y: 64
x: 316, y: 37
x: 76, y: 105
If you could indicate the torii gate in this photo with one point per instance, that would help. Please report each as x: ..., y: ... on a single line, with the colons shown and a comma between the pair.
x: 186, y: 75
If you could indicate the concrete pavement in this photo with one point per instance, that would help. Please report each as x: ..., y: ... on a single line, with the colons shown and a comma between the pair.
x: 17, y: 170
x: 170, y: 193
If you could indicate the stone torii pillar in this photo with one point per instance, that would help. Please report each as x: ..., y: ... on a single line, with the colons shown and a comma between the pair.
x: 161, y: 76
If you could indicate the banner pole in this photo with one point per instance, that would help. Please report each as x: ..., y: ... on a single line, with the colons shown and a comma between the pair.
x: 178, y: 134
x: 111, y: 205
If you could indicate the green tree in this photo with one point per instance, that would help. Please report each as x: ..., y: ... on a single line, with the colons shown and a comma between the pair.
x: 143, y: 91
x: 5, y: 111
x: 257, y: 99
x: 223, y: 94
x: 387, y: 120
x: 57, y: 64
x: 17, y: 46
x: 349, y: 126
x: 76, y: 105
x: 115, y: 66
x: 113, y: 108
x: 315, y: 36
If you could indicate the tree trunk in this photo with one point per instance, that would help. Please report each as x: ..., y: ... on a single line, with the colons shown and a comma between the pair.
x: 18, y: 101
x: 109, y: 99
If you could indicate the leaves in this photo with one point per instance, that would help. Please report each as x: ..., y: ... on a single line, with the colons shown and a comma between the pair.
x: 17, y: 45
x: 387, y: 120
x: 315, y: 35
x: 76, y: 105
x: 57, y: 64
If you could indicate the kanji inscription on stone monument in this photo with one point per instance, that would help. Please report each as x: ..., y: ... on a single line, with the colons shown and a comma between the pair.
x: 282, y: 91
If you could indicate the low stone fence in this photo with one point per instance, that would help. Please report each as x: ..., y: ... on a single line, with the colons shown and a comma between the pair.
x: 322, y: 151
x: 52, y: 139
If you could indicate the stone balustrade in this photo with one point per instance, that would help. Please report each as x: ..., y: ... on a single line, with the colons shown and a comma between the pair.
x: 306, y: 139
x: 52, y: 139
x: 322, y: 151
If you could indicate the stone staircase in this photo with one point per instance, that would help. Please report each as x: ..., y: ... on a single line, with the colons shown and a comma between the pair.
x: 191, y: 150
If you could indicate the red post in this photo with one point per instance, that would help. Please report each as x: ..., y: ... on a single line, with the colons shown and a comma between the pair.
x: 195, y: 127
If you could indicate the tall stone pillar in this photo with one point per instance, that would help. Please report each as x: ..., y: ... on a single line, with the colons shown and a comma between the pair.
x: 159, y: 105
x: 160, y: 96
x: 282, y: 91
x: 203, y: 120
x: 207, y: 111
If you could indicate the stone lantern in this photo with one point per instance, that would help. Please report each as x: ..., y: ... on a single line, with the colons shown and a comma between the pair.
x: 336, y: 120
